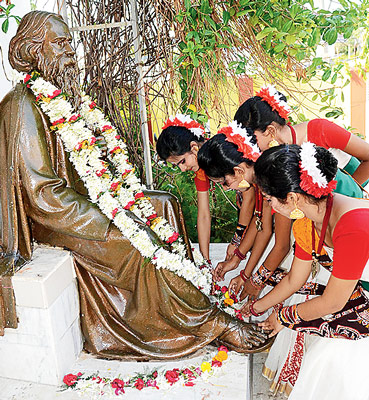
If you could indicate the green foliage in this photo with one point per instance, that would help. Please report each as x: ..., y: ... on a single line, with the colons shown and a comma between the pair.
x: 283, y: 32
x: 5, y: 12
x: 223, y: 213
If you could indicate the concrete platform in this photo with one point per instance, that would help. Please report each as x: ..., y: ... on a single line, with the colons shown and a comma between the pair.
x: 239, y: 379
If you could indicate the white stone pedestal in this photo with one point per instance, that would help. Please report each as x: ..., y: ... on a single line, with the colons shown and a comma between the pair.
x: 48, y: 339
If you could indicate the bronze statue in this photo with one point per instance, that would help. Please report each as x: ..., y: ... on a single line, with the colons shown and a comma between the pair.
x: 126, y: 310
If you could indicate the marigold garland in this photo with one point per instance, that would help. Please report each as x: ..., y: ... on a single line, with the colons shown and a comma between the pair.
x: 227, y: 302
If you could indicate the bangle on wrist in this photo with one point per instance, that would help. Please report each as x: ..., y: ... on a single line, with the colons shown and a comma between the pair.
x: 289, y: 316
x: 260, y: 276
x: 256, y: 285
x: 277, y: 307
x: 243, y: 275
x: 253, y: 312
x: 239, y: 234
x: 239, y: 254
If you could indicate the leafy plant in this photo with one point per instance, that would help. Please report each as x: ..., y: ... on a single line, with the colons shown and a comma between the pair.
x: 5, y: 12
x: 222, y: 210
x: 274, y: 40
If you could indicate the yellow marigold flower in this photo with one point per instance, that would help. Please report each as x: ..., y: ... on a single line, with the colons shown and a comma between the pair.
x: 226, y: 295
x: 221, y: 356
x: 192, y: 107
x: 229, y: 302
x: 205, y: 366
x: 156, y: 221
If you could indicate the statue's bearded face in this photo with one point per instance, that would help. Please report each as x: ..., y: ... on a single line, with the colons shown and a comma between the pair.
x: 57, y: 62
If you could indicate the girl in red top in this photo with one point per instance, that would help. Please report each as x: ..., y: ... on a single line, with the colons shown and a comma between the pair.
x: 267, y: 113
x: 331, y: 231
x: 179, y: 143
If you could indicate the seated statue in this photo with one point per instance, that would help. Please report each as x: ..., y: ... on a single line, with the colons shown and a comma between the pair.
x: 129, y: 308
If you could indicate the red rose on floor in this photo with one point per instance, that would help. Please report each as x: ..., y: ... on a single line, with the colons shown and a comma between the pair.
x: 139, y: 384
x: 223, y: 348
x: 152, y: 383
x: 155, y: 374
x: 118, y: 385
x: 189, y: 383
x: 188, y: 372
x: 172, y: 376
x: 224, y: 289
x: 70, y: 379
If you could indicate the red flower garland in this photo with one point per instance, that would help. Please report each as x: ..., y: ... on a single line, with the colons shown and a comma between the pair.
x: 273, y: 102
x: 309, y: 186
x: 239, y: 141
x: 189, y: 125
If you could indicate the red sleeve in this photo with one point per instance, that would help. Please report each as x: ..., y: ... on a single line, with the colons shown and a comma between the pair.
x: 327, y: 134
x: 351, y: 244
x: 301, y: 253
x: 201, y: 181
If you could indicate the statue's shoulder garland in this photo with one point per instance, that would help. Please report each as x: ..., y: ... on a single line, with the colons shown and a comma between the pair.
x: 112, y: 183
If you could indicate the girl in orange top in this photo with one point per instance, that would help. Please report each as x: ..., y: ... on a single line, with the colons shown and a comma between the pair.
x: 179, y: 143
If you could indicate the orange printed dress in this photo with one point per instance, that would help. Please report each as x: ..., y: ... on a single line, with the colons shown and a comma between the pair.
x: 327, y: 366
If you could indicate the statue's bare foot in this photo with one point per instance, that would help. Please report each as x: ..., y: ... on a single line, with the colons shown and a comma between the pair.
x: 245, y: 337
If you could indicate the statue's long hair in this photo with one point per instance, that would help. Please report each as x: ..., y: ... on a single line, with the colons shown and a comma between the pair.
x: 25, y: 47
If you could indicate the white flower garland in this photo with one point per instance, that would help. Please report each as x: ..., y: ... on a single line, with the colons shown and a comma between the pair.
x: 309, y: 163
x: 114, y: 192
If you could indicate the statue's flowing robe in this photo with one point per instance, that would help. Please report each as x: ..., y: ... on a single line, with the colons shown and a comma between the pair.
x: 127, y: 309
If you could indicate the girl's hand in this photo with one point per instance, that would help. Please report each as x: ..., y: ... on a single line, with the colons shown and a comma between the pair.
x: 271, y: 323
x: 230, y: 251
x: 235, y: 285
x: 249, y: 290
x: 224, y: 267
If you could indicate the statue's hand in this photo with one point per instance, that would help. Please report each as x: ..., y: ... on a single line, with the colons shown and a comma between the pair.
x: 254, y: 334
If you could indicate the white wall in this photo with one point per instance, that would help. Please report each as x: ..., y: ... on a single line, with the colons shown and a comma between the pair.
x: 21, y: 8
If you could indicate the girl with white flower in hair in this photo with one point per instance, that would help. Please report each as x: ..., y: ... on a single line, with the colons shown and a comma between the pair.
x: 267, y: 115
x: 331, y: 233
x: 179, y: 143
